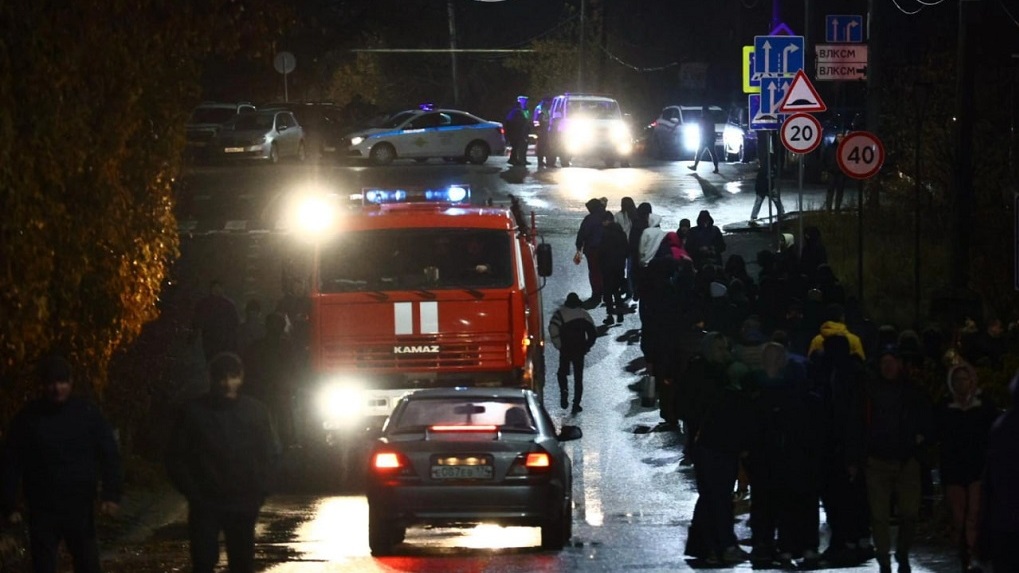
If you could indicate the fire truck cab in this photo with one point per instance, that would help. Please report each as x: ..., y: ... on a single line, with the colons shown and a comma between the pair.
x: 419, y: 289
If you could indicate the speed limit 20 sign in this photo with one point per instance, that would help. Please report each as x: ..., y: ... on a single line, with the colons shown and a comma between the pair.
x: 860, y: 154
x: 801, y: 133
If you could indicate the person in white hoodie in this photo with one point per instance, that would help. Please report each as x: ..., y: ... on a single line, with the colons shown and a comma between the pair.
x: 651, y: 239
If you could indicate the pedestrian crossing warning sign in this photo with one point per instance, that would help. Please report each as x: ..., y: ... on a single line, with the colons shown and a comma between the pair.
x: 801, y: 96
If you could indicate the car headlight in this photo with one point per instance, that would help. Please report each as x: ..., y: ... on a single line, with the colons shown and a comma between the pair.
x: 340, y: 403
x: 356, y: 140
x: 578, y: 135
x: 732, y: 136
x: 621, y: 138
x: 691, y: 137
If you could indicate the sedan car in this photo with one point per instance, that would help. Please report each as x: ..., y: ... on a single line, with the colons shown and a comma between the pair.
x: 422, y: 134
x: 267, y: 135
x: 463, y: 456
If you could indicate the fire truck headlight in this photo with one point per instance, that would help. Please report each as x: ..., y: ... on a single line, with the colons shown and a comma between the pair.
x: 312, y: 214
x: 340, y: 404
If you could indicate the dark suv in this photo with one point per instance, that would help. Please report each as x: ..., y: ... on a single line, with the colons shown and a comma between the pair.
x: 205, y: 122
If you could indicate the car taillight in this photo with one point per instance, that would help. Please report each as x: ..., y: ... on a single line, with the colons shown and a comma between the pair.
x: 531, y: 463
x: 386, y: 461
x: 537, y: 460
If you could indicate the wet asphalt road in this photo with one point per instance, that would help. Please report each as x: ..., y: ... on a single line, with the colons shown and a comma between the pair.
x: 633, y: 502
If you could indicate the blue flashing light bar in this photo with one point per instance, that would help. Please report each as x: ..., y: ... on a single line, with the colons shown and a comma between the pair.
x: 451, y: 194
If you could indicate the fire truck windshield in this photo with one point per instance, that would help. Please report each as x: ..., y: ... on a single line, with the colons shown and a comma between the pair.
x: 415, y: 259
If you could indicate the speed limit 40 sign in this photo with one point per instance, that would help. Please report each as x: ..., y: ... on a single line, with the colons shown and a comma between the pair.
x: 801, y: 133
x: 860, y: 154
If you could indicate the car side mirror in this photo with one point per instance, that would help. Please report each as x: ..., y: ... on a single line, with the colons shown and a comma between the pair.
x: 544, y: 253
x: 569, y: 433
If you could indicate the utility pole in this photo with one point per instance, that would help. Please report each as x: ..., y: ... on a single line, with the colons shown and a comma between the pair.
x: 583, y: 39
x: 450, y: 9
x: 963, y: 195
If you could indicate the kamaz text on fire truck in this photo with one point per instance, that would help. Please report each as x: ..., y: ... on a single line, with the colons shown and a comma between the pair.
x: 419, y: 289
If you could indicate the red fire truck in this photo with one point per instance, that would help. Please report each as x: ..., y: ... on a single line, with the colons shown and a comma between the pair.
x: 417, y: 288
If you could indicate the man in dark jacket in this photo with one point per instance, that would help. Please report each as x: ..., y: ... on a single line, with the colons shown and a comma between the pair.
x: 573, y: 334
x: 58, y: 447
x: 999, y: 527
x: 705, y: 242
x: 897, y: 426
x: 222, y: 457
x: 615, y: 247
x: 589, y: 237
x: 518, y: 126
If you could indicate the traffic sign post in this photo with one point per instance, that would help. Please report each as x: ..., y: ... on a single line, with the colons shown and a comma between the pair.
x: 843, y: 28
x: 801, y: 133
x: 860, y: 154
x: 777, y: 55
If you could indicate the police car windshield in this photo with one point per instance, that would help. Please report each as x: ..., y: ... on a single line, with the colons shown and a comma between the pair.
x: 416, y: 259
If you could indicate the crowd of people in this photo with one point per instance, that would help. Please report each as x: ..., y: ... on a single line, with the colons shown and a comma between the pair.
x: 785, y: 390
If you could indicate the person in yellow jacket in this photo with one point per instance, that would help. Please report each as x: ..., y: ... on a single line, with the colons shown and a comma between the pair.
x: 836, y: 326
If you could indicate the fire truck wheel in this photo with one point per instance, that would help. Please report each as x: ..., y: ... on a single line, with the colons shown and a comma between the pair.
x: 477, y: 152
x: 382, y: 154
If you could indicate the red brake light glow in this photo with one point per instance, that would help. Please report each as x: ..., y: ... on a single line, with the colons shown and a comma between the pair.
x: 538, y: 460
x: 464, y: 428
x: 386, y: 461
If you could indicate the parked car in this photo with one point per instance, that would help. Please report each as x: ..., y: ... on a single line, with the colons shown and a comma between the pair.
x: 676, y: 134
x: 319, y: 120
x: 205, y: 121
x: 423, y: 134
x: 588, y: 125
x: 267, y: 135
x: 738, y: 140
x: 462, y: 456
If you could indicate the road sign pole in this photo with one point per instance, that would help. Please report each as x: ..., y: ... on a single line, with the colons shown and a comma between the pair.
x: 799, y: 204
x: 859, y: 239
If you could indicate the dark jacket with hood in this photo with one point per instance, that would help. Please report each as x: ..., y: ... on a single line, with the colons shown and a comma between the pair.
x: 223, y: 453
x: 896, y: 412
x: 1000, y: 494
x: 572, y: 330
x: 705, y: 242
x: 962, y: 433
x: 615, y: 248
x: 589, y: 236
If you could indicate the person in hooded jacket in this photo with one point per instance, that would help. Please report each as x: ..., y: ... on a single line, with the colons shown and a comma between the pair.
x: 705, y: 242
x: 222, y: 456
x: 838, y: 379
x: 639, y: 223
x: 614, y: 249
x: 723, y: 435
x: 666, y: 314
x: 835, y: 325
x: 651, y: 239
x: 626, y: 215
x: 813, y: 253
x: 963, y: 423
x: 588, y: 243
x: 897, y: 425
x: 781, y: 464
x: 572, y: 332
x: 999, y: 517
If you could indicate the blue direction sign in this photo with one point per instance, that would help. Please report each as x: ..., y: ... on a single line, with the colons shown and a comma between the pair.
x: 777, y: 55
x: 758, y: 120
x: 843, y: 29
x: 773, y: 90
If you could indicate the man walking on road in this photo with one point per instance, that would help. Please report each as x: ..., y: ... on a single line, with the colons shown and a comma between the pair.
x: 573, y: 334
x: 222, y: 456
x: 59, y: 447
x: 707, y: 140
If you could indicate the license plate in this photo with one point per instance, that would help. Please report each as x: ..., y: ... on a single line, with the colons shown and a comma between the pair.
x: 461, y: 472
x: 234, y: 150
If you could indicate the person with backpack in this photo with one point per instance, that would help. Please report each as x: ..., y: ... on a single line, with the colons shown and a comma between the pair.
x: 573, y: 334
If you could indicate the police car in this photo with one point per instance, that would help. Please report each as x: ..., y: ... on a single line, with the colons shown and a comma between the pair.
x: 422, y: 134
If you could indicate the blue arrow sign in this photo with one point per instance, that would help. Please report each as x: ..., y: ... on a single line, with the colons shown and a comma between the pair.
x: 759, y: 121
x: 773, y: 91
x: 777, y: 55
x: 844, y: 29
